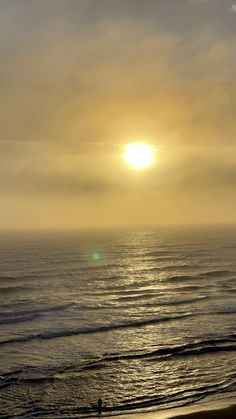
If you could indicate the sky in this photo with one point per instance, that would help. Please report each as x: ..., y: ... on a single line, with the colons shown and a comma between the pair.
x: 80, y: 79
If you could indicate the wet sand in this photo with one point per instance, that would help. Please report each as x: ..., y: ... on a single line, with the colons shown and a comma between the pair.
x: 225, y: 413
x: 222, y: 409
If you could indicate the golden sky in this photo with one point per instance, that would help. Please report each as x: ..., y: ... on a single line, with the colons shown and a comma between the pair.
x: 80, y: 79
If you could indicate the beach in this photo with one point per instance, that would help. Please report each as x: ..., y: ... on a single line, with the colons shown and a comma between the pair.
x: 220, y: 409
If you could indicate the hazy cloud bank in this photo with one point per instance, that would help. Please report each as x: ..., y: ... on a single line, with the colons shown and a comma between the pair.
x: 72, y: 94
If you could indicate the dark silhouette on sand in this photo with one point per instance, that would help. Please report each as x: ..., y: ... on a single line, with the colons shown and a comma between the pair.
x: 99, y: 406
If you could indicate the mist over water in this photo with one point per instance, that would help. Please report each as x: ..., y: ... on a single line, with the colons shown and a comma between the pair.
x: 144, y: 319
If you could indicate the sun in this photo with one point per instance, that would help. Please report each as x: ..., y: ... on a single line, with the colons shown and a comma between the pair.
x: 138, y: 156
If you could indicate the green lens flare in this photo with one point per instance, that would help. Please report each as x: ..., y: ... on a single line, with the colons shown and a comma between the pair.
x: 96, y: 256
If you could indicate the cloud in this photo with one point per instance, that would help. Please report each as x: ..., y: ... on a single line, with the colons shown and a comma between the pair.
x: 93, y: 91
x: 56, y: 185
x: 113, y: 81
x: 208, y: 177
x: 72, y: 95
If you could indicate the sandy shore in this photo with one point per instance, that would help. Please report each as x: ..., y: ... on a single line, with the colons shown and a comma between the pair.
x: 222, y: 409
x: 224, y: 413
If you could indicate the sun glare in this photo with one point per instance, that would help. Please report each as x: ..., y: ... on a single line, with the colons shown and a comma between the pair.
x: 138, y: 156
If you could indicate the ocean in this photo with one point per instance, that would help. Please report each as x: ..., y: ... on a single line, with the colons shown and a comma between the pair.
x: 144, y: 319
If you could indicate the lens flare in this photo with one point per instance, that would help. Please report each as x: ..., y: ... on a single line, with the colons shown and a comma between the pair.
x: 96, y: 256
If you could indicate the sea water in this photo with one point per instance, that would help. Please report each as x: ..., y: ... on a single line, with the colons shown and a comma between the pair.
x: 143, y: 319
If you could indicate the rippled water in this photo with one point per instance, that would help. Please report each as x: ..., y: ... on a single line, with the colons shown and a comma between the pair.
x: 143, y: 319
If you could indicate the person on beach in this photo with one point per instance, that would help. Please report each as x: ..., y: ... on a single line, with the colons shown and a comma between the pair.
x: 99, y: 406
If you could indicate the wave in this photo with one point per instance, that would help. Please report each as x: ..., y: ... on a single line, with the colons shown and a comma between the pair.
x: 162, y: 252
x: 175, y: 267
x: 203, y: 275
x: 16, y: 288
x: 39, y: 310
x: 215, y: 273
x: 28, y: 374
x: 19, y: 319
x: 183, y: 398
x: 9, y: 278
x: 101, y: 329
x: 11, y: 317
x: 99, y: 267
x: 184, y: 287
x: 25, y: 277
x: 180, y: 278
x: 159, y: 303
x: 136, y: 297
x: 178, y: 302
x: 202, y: 347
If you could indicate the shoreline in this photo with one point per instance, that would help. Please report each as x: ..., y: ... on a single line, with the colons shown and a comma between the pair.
x: 219, y: 409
